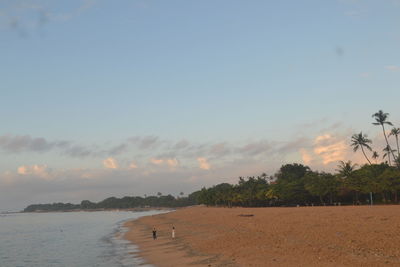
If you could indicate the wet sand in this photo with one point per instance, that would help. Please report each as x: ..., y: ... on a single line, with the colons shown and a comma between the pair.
x: 304, y: 236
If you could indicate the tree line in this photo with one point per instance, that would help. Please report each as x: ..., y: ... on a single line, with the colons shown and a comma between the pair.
x: 119, y: 203
x: 296, y: 184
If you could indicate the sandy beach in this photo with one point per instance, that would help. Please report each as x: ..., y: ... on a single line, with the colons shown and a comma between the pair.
x: 304, y: 236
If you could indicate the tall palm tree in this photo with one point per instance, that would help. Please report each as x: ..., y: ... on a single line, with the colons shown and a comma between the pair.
x: 375, y: 156
x: 360, y: 141
x: 381, y: 119
x: 345, y: 169
x: 396, y: 133
x: 388, y: 151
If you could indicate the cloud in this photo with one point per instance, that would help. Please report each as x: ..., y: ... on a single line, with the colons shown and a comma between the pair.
x: 119, y: 149
x: 133, y: 165
x: 322, y: 138
x: 292, y: 146
x: 172, y: 163
x: 305, y: 156
x: 221, y: 149
x: 332, y: 153
x: 23, y: 143
x: 40, y: 171
x: 256, y: 148
x: 203, y: 163
x: 156, y: 161
x: 325, y: 149
x: 146, y: 142
x: 150, y: 145
x: 393, y: 68
x: 25, y: 17
x: 181, y: 145
x: 78, y: 151
x: 22, y: 170
x: 110, y: 163
x: 26, y: 143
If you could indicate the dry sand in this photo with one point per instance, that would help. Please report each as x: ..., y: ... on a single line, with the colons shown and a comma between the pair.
x: 305, y: 236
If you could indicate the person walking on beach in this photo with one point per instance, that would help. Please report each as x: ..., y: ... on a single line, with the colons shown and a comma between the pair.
x: 173, y: 231
x: 154, y: 233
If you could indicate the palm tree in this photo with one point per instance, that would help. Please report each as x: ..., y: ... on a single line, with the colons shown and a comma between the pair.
x: 375, y: 156
x: 360, y: 141
x: 346, y: 172
x: 345, y: 169
x: 380, y: 118
x: 388, y: 151
x: 396, y: 133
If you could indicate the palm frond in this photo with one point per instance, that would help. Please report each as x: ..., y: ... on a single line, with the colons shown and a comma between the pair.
x: 395, y: 132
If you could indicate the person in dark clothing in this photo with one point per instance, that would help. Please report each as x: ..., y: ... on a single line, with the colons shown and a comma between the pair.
x: 154, y: 233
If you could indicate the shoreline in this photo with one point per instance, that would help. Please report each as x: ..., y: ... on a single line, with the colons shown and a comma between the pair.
x: 304, y: 236
x: 94, y: 210
x: 165, y: 251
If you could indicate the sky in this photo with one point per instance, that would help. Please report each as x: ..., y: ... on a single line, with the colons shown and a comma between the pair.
x: 114, y: 98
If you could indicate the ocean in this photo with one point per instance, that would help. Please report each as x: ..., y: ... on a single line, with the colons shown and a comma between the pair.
x: 81, y: 239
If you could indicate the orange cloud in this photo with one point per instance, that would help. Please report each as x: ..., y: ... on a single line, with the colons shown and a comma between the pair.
x: 329, y: 148
x: 110, y: 163
x: 156, y: 161
x: 203, y: 163
x: 37, y: 170
x: 172, y: 163
x: 326, y: 149
x: 307, y: 158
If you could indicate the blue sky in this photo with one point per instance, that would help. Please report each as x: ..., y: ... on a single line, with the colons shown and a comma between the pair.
x: 192, y: 93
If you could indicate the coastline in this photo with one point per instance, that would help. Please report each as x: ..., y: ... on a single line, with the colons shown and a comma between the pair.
x: 164, y: 251
x: 304, y: 236
x: 94, y: 210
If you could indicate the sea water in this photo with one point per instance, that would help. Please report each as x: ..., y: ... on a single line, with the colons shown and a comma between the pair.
x: 68, y: 239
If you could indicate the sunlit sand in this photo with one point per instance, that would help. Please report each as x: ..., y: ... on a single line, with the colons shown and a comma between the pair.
x: 304, y: 236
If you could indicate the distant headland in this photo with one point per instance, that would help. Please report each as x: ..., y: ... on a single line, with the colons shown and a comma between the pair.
x: 112, y: 203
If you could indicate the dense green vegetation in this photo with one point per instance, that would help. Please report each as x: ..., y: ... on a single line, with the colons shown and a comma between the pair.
x: 293, y: 184
x: 119, y: 203
x: 296, y: 184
